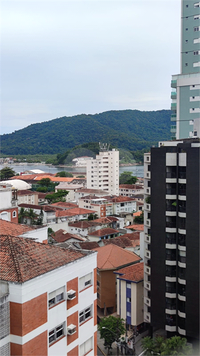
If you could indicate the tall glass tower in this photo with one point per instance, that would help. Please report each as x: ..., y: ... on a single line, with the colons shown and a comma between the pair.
x: 185, y: 94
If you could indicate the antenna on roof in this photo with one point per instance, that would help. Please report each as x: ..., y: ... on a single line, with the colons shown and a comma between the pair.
x: 103, y: 147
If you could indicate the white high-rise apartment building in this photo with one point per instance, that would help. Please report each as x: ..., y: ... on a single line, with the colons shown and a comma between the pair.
x: 185, y: 94
x: 103, y: 172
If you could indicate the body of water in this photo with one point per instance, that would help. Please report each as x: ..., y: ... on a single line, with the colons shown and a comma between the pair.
x: 22, y: 167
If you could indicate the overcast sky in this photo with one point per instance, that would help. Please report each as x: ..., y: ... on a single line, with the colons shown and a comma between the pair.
x: 68, y: 57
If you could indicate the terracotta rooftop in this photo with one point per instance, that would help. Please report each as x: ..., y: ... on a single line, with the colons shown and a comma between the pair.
x: 106, y: 220
x: 137, y: 213
x: 62, y: 236
x: 130, y: 186
x: 134, y: 273
x: 13, y: 229
x: 43, y: 207
x: 90, y: 191
x: 137, y: 227
x: 23, y: 259
x: 135, y: 235
x: 88, y: 245
x: 120, y: 199
x: 120, y: 241
x: 82, y: 224
x: 103, y: 232
x: 63, y: 204
x: 81, y: 211
x: 111, y: 257
x: 26, y: 192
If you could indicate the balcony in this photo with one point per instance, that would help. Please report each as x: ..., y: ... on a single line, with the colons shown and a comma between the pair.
x: 147, y: 238
x: 147, y: 190
x: 181, y: 331
x: 147, y: 285
x: 147, y: 301
x: 147, y: 317
x: 148, y: 222
x: 173, y: 95
x: 147, y: 269
x: 173, y: 83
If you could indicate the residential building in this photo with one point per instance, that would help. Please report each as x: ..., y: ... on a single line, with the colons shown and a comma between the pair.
x: 63, y: 236
x: 48, y: 299
x: 8, y: 202
x: 27, y: 197
x: 103, y: 234
x: 131, y: 190
x: 109, y: 259
x: 185, y: 94
x: 82, y: 192
x: 103, y: 172
x: 130, y: 289
x: 171, y: 235
x: 39, y: 234
x: 102, y: 206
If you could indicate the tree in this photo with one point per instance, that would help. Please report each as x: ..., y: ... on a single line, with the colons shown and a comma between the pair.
x: 45, y: 182
x: 175, y: 345
x: 6, y: 173
x: 127, y: 178
x: 64, y: 174
x: 111, y: 328
x: 56, y: 197
x: 92, y: 216
x: 139, y: 219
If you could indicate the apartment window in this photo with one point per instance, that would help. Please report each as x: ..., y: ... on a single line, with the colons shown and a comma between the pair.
x: 85, y: 314
x: 85, y: 281
x: 128, y: 300
x: 196, y: 52
x: 14, y: 214
x: 197, y: 4
x: 186, y: 41
x: 56, y: 296
x: 196, y: 28
x: 128, y: 285
x: 196, y: 17
x: 186, y: 64
x: 186, y: 29
x: 56, y: 333
x: 186, y: 5
x: 86, y: 347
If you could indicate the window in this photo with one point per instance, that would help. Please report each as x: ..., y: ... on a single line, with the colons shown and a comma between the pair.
x: 196, y: 17
x: 196, y: 28
x: 56, y: 333
x: 56, y: 297
x: 196, y: 52
x: 128, y: 300
x: 128, y: 285
x: 85, y: 314
x: 14, y: 214
x: 85, y: 281
x: 128, y: 313
x: 197, y: 4
x: 86, y: 346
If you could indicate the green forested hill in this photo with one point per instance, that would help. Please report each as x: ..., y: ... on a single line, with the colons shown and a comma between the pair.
x: 128, y: 129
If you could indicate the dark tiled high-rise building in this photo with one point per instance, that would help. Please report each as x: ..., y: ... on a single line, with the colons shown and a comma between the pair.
x: 171, y: 227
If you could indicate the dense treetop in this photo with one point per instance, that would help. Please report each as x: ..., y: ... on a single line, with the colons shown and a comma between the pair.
x: 128, y: 129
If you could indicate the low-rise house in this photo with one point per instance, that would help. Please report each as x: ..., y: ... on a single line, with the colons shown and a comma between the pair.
x: 63, y: 236
x: 123, y: 204
x: 39, y: 234
x: 48, y: 299
x: 82, y: 192
x: 82, y: 228
x: 71, y: 188
x: 27, y: 197
x: 65, y: 205
x: 130, y: 294
x: 103, y: 234
x: 102, y: 206
x: 130, y: 190
x: 136, y: 227
x: 109, y: 259
x: 8, y: 202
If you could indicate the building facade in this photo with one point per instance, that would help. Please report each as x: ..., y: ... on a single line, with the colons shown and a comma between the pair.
x: 171, y: 237
x: 185, y: 94
x: 103, y: 172
x: 47, y: 300
x: 8, y: 203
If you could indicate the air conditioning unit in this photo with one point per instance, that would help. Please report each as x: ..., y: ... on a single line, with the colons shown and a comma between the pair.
x: 71, y: 294
x: 71, y: 329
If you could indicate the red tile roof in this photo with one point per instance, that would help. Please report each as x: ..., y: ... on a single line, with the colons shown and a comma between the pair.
x: 65, y: 204
x: 121, y: 199
x: 13, y: 229
x: 137, y: 227
x: 106, y: 220
x: 103, y: 232
x: 88, y: 245
x: 130, y: 186
x: 112, y: 257
x: 26, y: 192
x: 135, y: 235
x: 23, y: 259
x: 119, y: 241
x: 133, y: 273
x: 62, y: 236
x: 82, y: 224
x: 137, y: 213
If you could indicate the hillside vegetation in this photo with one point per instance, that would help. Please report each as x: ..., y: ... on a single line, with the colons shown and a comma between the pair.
x: 129, y: 129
